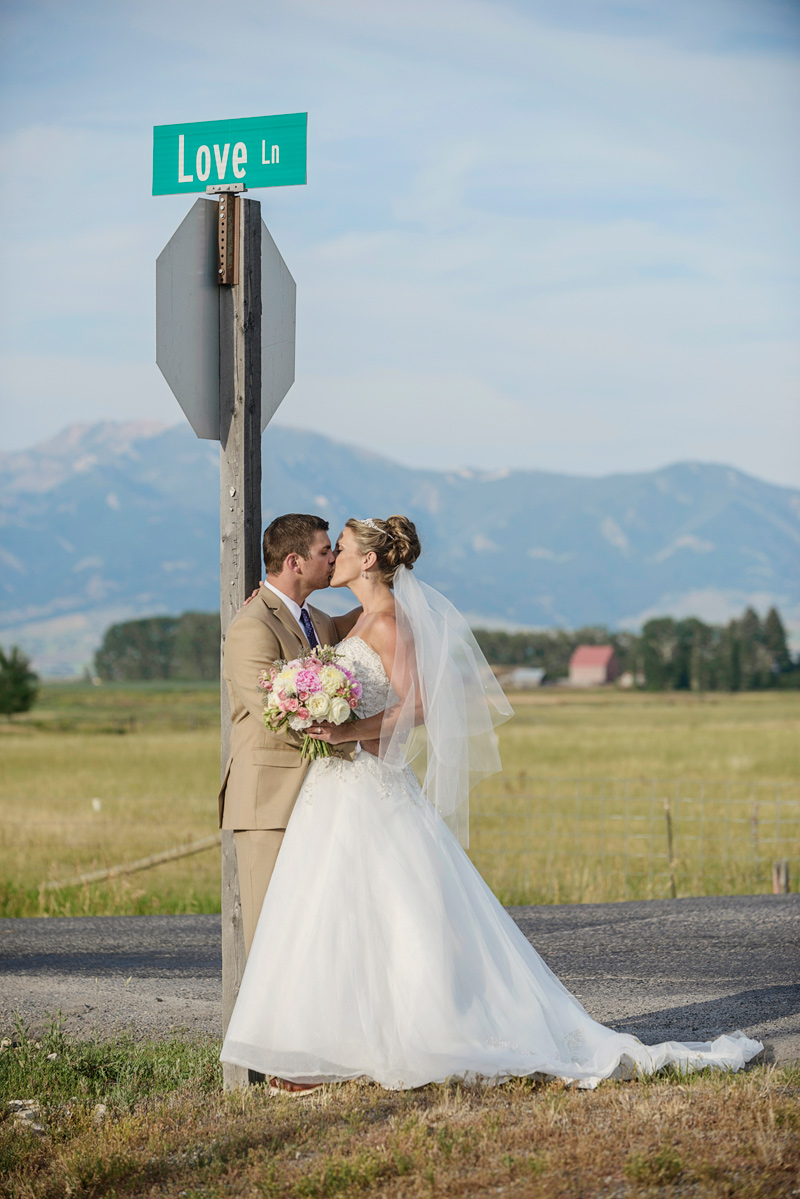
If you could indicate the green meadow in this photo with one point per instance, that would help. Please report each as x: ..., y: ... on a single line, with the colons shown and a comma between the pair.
x: 605, y: 795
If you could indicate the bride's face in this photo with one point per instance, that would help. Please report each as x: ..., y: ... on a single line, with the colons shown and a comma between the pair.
x: 349, y: 560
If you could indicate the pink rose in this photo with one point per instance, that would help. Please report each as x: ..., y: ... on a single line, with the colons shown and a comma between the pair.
x: 307, y: 680
x: 302, y: 713
x: 353, y: 703
x: 292, y: 705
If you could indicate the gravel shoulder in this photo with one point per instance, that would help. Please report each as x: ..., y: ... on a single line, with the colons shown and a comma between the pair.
x: 684, y: 969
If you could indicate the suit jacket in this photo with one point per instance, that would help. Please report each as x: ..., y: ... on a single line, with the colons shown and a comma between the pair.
x: 265, y: 770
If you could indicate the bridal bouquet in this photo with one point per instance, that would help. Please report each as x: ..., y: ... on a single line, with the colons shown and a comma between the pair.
x: 307, y: 690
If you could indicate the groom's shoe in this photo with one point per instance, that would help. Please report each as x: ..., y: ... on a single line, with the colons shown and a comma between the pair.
x: 295, y: 1090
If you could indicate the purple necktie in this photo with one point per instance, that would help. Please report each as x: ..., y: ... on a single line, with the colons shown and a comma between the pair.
x: 308, y: 628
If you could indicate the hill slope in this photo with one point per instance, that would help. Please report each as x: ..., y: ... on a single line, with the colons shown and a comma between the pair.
x: 110, y: 521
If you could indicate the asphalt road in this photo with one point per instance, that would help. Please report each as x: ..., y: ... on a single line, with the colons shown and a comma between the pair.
x: 684, y: 969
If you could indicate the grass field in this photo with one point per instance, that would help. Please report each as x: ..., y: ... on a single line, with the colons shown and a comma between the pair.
x: 96, y: 776
x: 167, y: 1128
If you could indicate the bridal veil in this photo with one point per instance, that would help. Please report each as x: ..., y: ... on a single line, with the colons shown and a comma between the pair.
x: 450, y: 702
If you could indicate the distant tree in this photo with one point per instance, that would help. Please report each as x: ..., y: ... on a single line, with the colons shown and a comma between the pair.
x: 753, y: 654
x: 196, y: 648
x: 137, y: 649
x: 161, y: 647
x: 628, y: 648
x: 730, y: 658
x: 775, y: 643
x: 703, y: 642
x: 19, y: 685
x: 666, y: 654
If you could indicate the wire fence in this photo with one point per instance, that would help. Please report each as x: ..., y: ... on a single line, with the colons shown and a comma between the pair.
x: 564, y: 840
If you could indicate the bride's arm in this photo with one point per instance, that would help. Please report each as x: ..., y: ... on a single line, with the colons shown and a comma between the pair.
x: 383, y: 638
x: 345, y: 623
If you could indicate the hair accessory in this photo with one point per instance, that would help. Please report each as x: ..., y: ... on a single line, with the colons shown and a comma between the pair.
x: 373, y: 525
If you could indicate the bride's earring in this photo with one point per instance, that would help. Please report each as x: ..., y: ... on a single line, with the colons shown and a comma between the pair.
x: 363, y: 574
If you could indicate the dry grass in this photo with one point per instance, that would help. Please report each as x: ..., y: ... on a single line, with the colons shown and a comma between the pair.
x: 749, y: 736
x: 149, y: 754
x: 176, y: 1133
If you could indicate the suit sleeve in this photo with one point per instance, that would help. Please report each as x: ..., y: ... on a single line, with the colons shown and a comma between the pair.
x: 251, y: 647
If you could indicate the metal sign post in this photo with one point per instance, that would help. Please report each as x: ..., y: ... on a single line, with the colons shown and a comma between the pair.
x: 225, y: 342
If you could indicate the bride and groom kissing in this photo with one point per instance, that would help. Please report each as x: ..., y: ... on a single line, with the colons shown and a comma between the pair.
x: 375, y: 949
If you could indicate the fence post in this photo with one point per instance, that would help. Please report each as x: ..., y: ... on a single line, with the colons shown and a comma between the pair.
x: 780, y: 877
x: 754, y: 835
x: 672, y: 884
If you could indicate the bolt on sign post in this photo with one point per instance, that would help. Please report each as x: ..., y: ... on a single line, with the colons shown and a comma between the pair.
x: 225, y: 343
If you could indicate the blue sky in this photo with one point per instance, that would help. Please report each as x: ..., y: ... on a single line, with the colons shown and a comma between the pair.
x: 550, y: 234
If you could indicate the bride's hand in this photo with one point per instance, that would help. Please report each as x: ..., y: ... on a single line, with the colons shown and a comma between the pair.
x: 334, y: 734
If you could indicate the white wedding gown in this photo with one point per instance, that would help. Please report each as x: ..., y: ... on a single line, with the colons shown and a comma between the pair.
x: 381, y: 952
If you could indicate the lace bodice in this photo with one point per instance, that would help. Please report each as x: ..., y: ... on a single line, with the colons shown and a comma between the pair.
x: 366, y: 665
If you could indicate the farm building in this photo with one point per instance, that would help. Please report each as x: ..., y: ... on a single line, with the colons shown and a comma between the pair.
x: 592, y: 665
x: 523, y: 678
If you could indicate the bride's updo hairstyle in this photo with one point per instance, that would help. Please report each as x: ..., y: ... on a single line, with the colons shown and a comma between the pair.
x: 394, y: 542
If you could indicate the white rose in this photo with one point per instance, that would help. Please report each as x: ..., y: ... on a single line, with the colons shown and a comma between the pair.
x: 332, y: 679
x: 340, y: 710
x: 317, y: 706
x: 273, y: 701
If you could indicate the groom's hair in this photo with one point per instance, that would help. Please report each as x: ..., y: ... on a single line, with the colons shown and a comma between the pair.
x: 290, y: 534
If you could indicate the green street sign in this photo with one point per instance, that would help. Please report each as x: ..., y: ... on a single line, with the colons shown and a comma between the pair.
x: 254, y: 151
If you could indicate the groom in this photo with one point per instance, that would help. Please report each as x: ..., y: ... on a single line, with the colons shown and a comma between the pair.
x: 265, y: 770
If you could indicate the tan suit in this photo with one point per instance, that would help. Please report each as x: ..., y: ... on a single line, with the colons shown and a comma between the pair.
x: 265, y: 770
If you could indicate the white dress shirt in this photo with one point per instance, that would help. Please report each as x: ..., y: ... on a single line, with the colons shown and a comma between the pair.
x: 293, y: 607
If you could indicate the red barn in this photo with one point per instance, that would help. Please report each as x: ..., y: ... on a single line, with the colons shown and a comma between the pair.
x: 592, y: 665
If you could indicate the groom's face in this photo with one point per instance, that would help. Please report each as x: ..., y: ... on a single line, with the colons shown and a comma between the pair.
x: 317, y: 568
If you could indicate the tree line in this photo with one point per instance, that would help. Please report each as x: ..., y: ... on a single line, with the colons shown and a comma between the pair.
x: 746, y: 654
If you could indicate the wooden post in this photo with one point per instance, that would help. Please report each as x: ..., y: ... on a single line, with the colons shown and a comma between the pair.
x: 240, y: 533
x: 780, y: 877
x: 673, y: 886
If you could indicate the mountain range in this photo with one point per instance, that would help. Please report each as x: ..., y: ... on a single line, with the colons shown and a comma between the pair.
x: 111, y: 521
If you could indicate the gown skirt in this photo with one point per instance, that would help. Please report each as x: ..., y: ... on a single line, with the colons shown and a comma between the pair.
x: 381, y: 952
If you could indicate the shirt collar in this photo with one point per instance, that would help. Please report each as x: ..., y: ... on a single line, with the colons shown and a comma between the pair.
x: 291, y: 604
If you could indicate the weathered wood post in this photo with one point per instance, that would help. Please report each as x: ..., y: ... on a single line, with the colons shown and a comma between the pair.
x: 240, y: 513
x: 673, y: 886
x: 780, y: 877
x: 211, y: 333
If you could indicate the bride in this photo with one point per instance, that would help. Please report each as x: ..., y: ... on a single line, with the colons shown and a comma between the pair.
x: 380, y: 952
